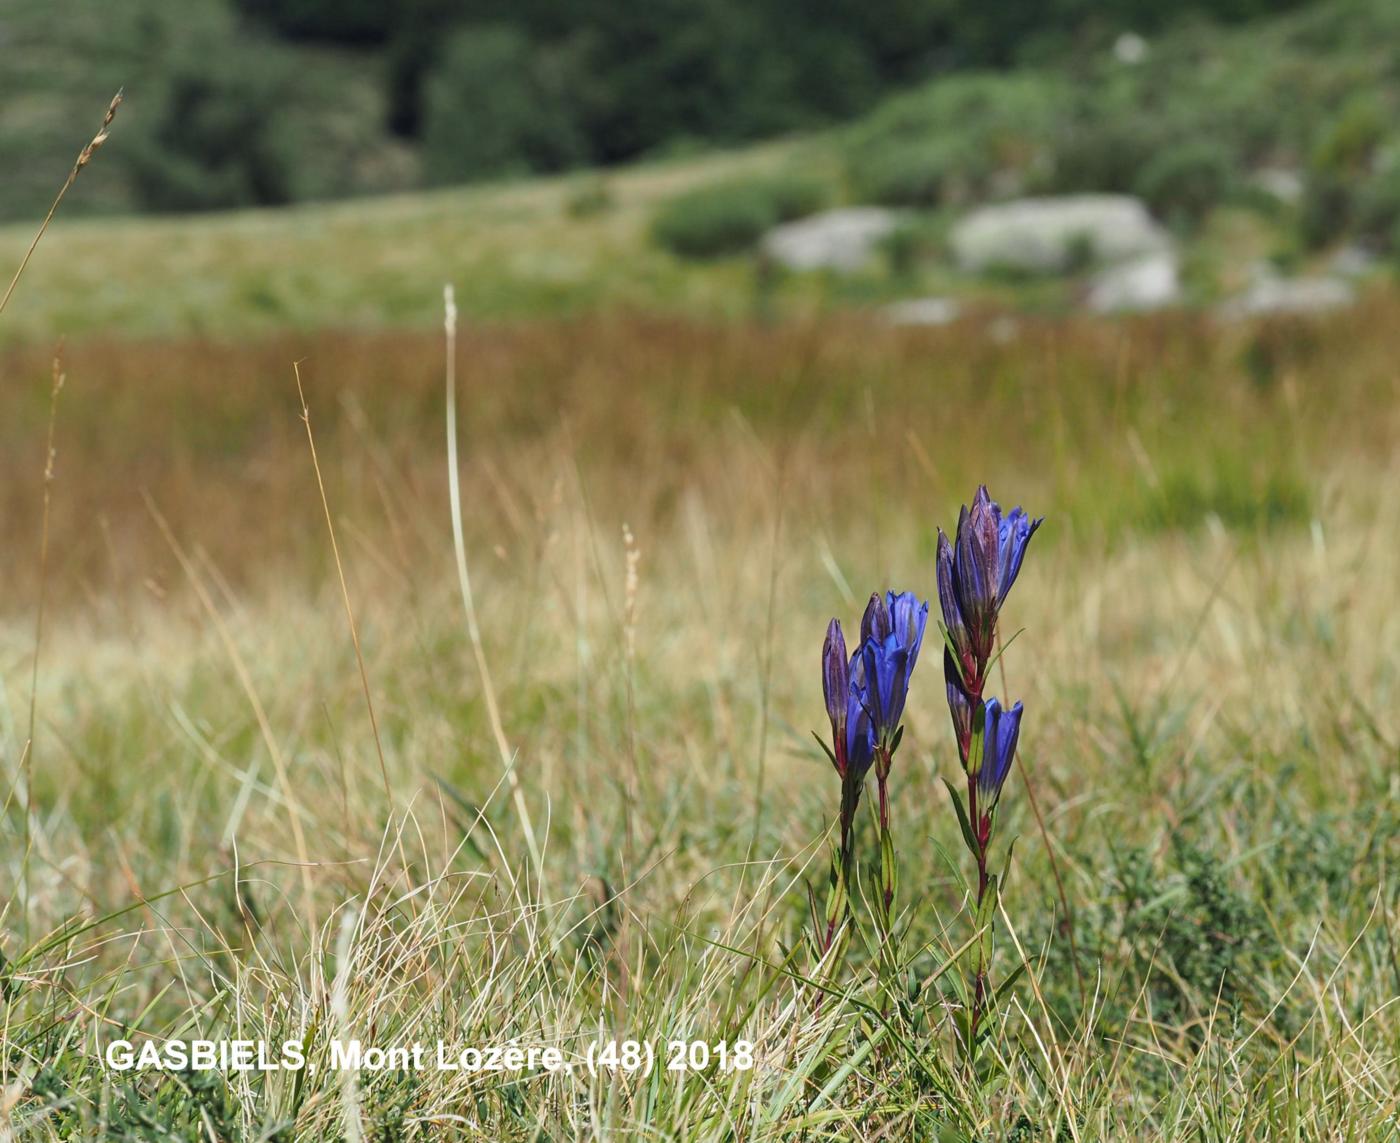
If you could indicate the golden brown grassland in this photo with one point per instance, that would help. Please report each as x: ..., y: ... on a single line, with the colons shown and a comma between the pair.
x: 1209, y: 666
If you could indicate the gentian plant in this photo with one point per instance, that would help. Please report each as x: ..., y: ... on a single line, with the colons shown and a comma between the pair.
x: 865, y: 695
x: 976, y: 570
x: 852, y: 751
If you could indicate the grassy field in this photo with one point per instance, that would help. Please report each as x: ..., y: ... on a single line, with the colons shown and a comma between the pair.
x: 515, y: 250
x: 597, y: 822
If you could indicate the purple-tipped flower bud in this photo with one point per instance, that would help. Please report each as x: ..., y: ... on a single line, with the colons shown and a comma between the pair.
x: 875, y: 623
x: 985, y: 560
x: 1001, y: 729
x: 844, y: 689
x: 835, y: 677
x: 948, y: 602
x: 960, y: 705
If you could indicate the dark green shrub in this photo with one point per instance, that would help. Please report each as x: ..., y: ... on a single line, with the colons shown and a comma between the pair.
x: 728, y: 218
x: 218, y: 137
x: 1326, y: 211
x: 496, y: 106
x: 1184, y: 183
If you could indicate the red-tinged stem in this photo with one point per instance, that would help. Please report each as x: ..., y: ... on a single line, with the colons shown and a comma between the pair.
x: 882, y: 778
x: 850, y: 802
x: 981, y: 829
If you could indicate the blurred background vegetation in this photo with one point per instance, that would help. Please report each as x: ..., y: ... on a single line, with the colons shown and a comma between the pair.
x: 258, y: 102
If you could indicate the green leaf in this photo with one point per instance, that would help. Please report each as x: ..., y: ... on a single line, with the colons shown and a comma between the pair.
x: 1002, y: 651
x: 968, y: 836
x: 959, y: 985
x: 952, y: 651
x: 1006, y: 985
x: 985, y: 914
x: 1010, y: 848
x: 888, y: 866
x: 953, y: 869
x: 825, y: 748
x: 979, y: 733
x: 836, y: 903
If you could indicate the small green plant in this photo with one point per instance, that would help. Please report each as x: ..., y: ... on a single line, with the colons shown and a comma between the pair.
x: 590, y: 198
x: 1196, y: 939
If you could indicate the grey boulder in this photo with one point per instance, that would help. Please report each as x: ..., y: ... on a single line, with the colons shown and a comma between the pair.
x: 1049, y: 235
x: 844, y: 240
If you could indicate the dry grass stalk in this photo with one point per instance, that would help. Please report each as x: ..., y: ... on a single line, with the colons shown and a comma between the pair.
x: 84, y: 158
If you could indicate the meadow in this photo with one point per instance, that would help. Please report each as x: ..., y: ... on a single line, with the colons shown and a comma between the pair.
x: 587, y: 805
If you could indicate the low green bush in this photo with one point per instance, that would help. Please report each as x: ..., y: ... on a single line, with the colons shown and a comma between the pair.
x: 1378, y: 208
x: 1101, y: 153
x: 1185, y: 182
x: 729, y: 218
x: 964, y: 138
x: 929, y: 173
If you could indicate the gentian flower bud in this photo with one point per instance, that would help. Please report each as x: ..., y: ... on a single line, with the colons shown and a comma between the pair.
x: 875, y: 623
x: 983, y: 563
x: 1001, y: 729
x: 844, y: 689
x: 960, y: 705
x: 836, y: 687
x: 948, y: 603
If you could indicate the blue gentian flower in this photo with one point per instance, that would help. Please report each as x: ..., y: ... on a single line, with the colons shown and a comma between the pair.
x: 886, y: 669
x: 908, y: 618
x: 894, y: 630
x: 860, y: 730
x: 1014, y: 532
x: 1000, y: 730
x: 975, y: 573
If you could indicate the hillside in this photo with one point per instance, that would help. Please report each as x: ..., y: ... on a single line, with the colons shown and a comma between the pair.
x: 265, y: 102
x: 512, y: 249
x: 1276, y: 150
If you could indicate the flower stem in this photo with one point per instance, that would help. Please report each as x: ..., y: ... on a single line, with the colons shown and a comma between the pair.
x: 981, y: 829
